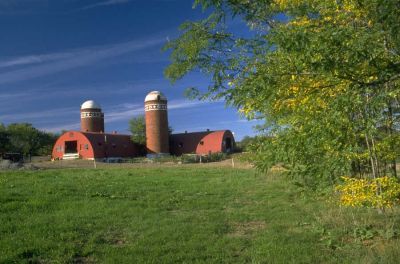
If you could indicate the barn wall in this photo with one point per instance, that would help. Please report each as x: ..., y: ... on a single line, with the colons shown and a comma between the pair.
x: 113, y: 145
x: 97, y: 145
x: 84, y: 147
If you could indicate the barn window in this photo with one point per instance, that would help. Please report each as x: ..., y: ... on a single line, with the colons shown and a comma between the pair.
x: 202, y: 142
x: 86, y: 146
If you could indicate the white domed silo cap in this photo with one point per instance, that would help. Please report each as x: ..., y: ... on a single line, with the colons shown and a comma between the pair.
x: 90, y: 104
x: 154, y: 96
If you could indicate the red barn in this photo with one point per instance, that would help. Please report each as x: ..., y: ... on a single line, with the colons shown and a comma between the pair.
x: 202, y: 142
x: 91, y: 145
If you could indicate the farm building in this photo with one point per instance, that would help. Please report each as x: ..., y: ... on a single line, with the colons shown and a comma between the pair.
x: 201, y: 142
x: 93, y: 143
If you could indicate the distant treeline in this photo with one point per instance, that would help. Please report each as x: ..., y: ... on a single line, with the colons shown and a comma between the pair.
x: 245, y: 144
x: 25, y: 139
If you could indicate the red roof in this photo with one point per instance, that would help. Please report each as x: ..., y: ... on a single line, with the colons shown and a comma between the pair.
x: 96, y: 145
x: 201, y: 142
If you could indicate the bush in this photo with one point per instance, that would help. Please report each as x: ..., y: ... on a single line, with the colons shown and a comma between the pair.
x: 383, y: 192
x: 194, y: 158
x: 190, y: 158
x: 163, y: 159
x: 217, y: 157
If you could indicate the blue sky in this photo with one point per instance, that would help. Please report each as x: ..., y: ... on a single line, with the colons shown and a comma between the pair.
x: 55, y: 54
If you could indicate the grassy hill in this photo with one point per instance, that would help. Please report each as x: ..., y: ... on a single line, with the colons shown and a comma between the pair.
x: 189, y: 214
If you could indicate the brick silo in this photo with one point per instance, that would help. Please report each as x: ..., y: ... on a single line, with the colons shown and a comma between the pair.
x: 92, y: 119
x: 157, y: 136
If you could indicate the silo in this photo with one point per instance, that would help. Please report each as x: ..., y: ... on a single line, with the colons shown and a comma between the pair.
x: 157, y: 136
x: 92, y: 119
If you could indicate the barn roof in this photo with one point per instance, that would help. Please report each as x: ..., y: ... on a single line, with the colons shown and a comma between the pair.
x: 103, y: 137
x: 95, y: 145
x: 199, y: 142
x: 217, y: 135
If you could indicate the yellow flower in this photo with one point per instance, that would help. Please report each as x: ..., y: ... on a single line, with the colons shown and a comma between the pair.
x: 381, y: 192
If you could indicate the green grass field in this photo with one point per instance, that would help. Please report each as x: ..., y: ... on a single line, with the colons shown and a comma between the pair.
x: 182, y: 214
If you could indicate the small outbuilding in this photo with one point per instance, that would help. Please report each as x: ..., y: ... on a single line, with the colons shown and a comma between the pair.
x: 203, y: 143
x: 92, y: 145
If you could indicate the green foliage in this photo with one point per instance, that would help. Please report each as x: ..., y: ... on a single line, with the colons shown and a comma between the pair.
x: 189, y: 158
x: 381, y: 193
x: 325, y: 75
x: 3, y: 138
x: 217, y: 156
x: 137, y: 126
x: 25, y: 139
x: 245, y: 144
x: 164, y: 159
x: 194, y: 158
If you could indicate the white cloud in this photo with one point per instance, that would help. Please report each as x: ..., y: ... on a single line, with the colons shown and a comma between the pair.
x: 127, y: 111
x: 34, y: 59
x: 122, y: 112
x: 8, y: 96
x: 39, y: 114
x: 59, y: 128
x: 59, y: 62
x: 105, y: 3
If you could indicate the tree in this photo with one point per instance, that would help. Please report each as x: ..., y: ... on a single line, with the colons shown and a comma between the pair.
x: 3, y: 139
x: 137, y: 126
x: 245, y: 143
x: 46, y: 143
x: 325, y: 77
x: 25, y: 139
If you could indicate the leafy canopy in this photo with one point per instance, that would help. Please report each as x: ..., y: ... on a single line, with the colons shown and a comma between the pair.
x: 24, y: 138
x: 323, y: 74
x: 137, y: 126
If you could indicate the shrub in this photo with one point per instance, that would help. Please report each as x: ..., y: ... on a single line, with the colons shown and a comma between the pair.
x: 190, y: 158
x: 216, y: 157
x: 383, y: 192
x: 164, y: 159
